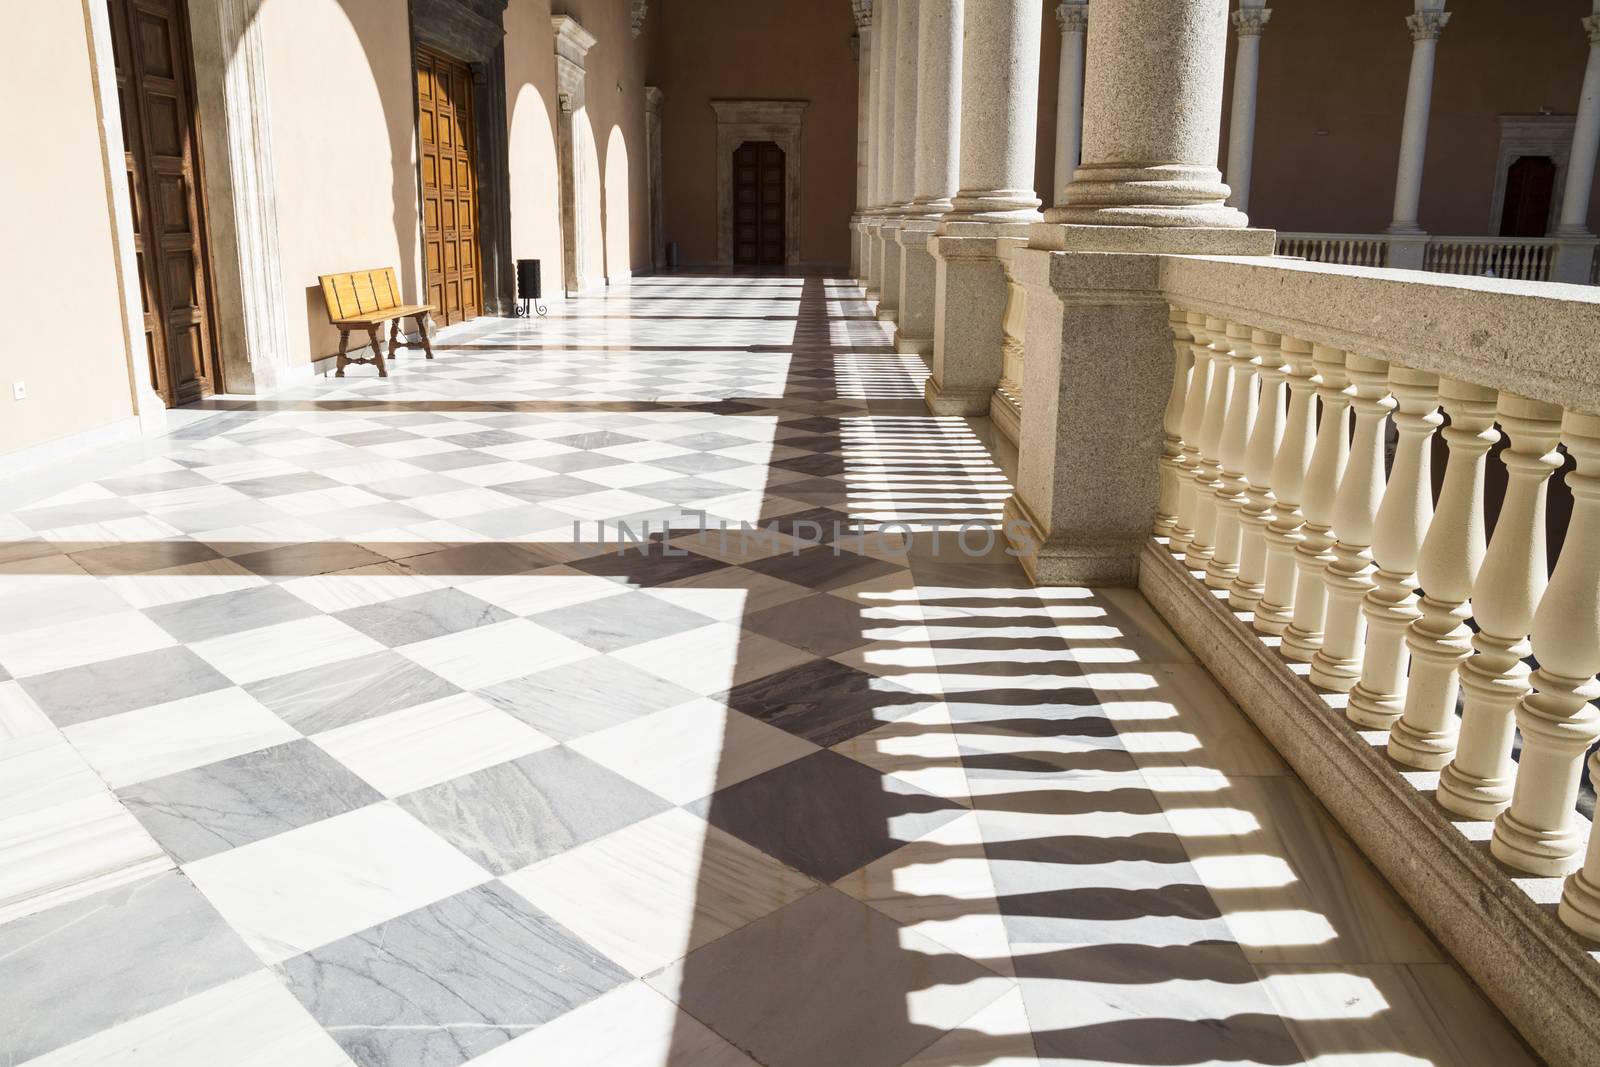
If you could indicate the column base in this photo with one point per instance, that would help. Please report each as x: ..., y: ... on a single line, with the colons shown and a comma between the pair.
x: 1081, y: 557
x: 942, y: 401
x: 909, y: 346
x: 1546, y: 853
x: 1407, y: 251
x: 1172, y: 240
x: 1574, y: 258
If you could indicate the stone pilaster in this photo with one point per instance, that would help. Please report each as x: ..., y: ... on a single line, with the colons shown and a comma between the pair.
x: 1072, y: 17
x: 572, y: 45
x: 1407, y: 238
x: 1248, y: 22
x: 1100, y: 359
x: 993, y: 206
x: 938, y: 137
x: 902, y: 175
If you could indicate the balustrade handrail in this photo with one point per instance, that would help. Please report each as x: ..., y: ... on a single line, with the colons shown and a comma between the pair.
x: 1536, y: 339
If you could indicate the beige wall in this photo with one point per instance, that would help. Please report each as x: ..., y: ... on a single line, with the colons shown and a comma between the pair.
x: 344, y: 148
x: 64, y: 336
x: 780, y: 49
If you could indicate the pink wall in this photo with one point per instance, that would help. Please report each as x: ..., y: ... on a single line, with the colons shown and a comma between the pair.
x: 777, y: 49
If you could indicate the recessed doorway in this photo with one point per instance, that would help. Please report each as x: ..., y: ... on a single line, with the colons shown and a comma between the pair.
x: 1530, y: 194
x: 758, y: 204
x: 448, y: 162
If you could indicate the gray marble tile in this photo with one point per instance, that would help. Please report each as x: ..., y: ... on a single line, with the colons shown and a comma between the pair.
x: 483, y: 560
x: 615, y: 622
x: 283, y: 484
x: 516, y: 813
x: 543, y: 490
x: 646, y: 568
x: 200, y: 812
x: 579, y: 698
x: 301, y: 560
x: 826, y: 814
x: 139, y: 484
x: 82, y: 967
x: 448, y: 982
x: 820, y: 624
x: 450, y: 461
x: 227, y: 613
x: 110, y: 687
x: 570, y: 462
x: 337, y: 694
x: 824, y: 701
x: 699, y: 463
x: 842, y: 993
x: 422, y: 616
x: 819, y: 568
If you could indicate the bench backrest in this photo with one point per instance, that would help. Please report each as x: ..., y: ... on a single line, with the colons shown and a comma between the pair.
x: 359, y: 292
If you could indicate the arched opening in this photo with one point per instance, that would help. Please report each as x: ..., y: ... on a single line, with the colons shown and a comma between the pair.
x: 759, y: 223
x: 1530, y: 191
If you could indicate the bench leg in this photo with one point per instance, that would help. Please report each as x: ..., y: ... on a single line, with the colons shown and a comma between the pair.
x: 423, y: 321
x: 394, y: 337
x: 377, y: 351
x: 344, y: 343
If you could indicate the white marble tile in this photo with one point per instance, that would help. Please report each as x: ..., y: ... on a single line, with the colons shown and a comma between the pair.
x: 56, y: 604
x: 633, y: 1026
x: 188, y: 582
x: 317, y: 501
x: 297, y: 890
x: 921, y: 748
x: 249, y: 1022
x: 473, y: 659
x: 19, y: 715
x: 462, y: 502
x: 998, y: 1036
x: 135, y: 746
x: 72, y: 644
x: 556, y: 587
x: 62, y: 834
x: 686, y: 752
x: 711, y: 659
x: 430, y: 743
x: 270, y: 651
x: 647, y: 894
x: 358, y: 588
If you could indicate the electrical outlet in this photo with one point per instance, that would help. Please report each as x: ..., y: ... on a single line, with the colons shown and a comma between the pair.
x: 19, y: 390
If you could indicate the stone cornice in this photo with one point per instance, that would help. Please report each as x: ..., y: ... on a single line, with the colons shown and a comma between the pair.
x: 764, y: 112
x: 1072, y: 16
x: 572, y: 40
x: 862, y: 9
x: 1427, y: 25
x: 1251, y: 21
x: 653, y: 98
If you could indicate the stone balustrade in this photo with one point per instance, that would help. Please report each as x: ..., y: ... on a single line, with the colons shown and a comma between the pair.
x: 1294, y: 512
x: 1523, y: 258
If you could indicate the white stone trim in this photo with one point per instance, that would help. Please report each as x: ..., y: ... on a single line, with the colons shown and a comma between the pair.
x: 739, y: 121
x: 1531, y: 135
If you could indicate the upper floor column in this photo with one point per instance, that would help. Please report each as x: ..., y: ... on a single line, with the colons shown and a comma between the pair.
x: 1152, y: 117
x: 1426, y: 24
x: 1072, y: 17
x: 1576, y: 245
x: 904, y: 181
x: 884, y: 61
x: 999, y: 111
x: 1248, y: 22
x: 862, y: 9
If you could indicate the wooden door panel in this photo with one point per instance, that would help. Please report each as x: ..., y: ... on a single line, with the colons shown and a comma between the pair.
x: 155, y: 86
x: 758, y: 204
x: 449, y: 193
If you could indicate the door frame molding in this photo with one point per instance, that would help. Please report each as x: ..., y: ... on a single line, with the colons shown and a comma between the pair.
x: 1531, y: 135
x: 778, y: 121
x: 473, y: 31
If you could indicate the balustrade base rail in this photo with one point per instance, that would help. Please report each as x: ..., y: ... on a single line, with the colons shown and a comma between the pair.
x: 1502, y: 928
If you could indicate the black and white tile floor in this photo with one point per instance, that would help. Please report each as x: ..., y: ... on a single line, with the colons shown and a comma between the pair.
x: 322, y: 740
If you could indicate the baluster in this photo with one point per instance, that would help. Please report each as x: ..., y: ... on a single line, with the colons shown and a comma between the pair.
x: 1171, y: 425
x: 1337, y: 664
x: 1194, y: 409
x: 1391, y: 605
x: 1223, y: 567
x: 1250, y: 586
x: 1303, y: 636
x: 1477, y: 783
x: 1540, y: 833
x: 1425, y: 734
x: 1284, y: 533
x: 1208, y: 476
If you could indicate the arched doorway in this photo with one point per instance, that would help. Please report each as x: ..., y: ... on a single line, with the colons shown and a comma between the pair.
x: 1530, y: 191
x: 759, y: 223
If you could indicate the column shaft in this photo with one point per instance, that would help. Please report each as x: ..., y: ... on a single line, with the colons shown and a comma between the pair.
x: 1585, y: 139
x: 938, y: 137
x: 1248, y: 22
x: 1425, y: 29
x: 903, y: 160
x: 1073, y: 18
x: 999, y: 111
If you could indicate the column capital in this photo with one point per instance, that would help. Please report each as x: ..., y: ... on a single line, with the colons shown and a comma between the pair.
x: 1251, y: 21
x: 862, y: 9
x: 1427, y: 25
x: 1591, y: 26
x: 1072, y: 16
x: 636, y: 17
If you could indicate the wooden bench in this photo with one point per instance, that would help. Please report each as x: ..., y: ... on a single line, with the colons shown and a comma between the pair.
x: 365, y: 300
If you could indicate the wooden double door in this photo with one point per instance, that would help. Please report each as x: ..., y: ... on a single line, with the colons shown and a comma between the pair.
x: 446, y: 134
x: 758, y: 204
x: 161, y: 153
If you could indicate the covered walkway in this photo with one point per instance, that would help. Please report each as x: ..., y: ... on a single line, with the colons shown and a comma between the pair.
x: 326, y: 737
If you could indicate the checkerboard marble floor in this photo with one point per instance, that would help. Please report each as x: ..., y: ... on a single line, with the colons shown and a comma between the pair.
x: 327, y: 738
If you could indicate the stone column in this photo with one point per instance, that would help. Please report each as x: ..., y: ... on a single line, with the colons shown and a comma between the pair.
x: 1407, y: 238
x: 993, y: 205
x: 938, y: 137
x: 572, y: 45
x: 1575, y: 245
x: 1072, y: 16
x: 1248, y: 22
x: 903, y: 172
x: 862, y: 10
x: 1099, y: 356
x: 883, y: 130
